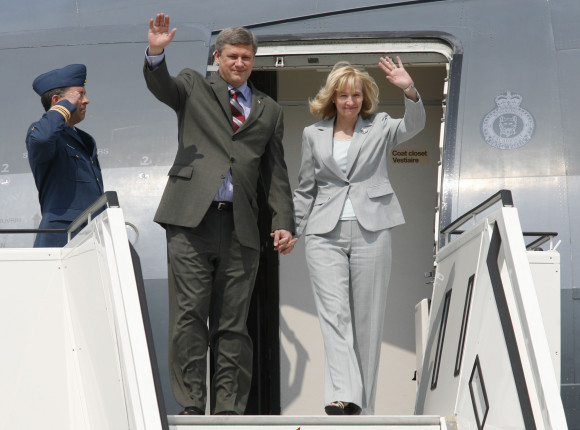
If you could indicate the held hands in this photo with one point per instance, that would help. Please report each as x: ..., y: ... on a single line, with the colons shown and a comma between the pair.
x: 159, y: 35
x: 283, y: 241
x: 398, y: 76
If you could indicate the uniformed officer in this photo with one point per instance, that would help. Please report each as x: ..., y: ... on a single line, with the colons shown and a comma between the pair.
x: 63, y: 158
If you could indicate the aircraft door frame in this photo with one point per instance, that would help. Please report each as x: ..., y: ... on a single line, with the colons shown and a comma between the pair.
x: 283, y: 54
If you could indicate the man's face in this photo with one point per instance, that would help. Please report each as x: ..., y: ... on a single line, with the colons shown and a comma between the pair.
x: 235, y: 63
x: 78, y: 97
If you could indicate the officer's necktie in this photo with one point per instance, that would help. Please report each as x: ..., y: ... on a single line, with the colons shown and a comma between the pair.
x: 237, y: 110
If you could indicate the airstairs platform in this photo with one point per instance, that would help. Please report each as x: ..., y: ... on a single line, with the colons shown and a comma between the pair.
x: 249, y: 422
x: 77, y: 349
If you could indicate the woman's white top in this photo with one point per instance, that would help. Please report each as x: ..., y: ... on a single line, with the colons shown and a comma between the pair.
x: 340, y: 152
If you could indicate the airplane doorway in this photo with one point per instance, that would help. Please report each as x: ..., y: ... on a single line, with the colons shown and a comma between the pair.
x: 298, y: 70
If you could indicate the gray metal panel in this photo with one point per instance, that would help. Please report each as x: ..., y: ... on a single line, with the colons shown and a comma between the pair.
x: 105, y: 34
x: 569, y: 93
x: 564, y: 15
x: 68, y: 13
x: 502, y: 63
x: 570, y: 391
x: 158, y: 304
x: 571, y: 310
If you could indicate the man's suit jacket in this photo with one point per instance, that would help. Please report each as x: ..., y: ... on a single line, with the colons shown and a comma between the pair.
x: 323, y: 187
x: 66, y: 172
x: 208, y: 148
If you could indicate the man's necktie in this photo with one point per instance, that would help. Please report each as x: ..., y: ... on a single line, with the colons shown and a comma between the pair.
x: 237, y: 110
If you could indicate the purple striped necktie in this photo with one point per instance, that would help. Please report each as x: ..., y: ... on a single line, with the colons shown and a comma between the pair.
x: 237, y: 110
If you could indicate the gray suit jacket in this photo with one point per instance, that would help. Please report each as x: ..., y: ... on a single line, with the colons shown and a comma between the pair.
x: 323, y: 187
x: 208, y: 148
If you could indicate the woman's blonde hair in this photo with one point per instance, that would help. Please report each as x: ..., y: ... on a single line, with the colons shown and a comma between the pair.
x: 344, y: 75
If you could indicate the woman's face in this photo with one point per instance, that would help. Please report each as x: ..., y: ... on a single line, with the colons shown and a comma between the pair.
x: 348, y: 101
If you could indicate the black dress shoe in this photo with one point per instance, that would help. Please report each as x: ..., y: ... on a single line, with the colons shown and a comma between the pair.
x: 227, y: 413
x: 192, y: 410
x: 335, y: 408
x: 352, y: 409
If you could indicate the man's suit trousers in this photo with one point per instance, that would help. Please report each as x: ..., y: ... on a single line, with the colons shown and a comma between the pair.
x: 211, y: 277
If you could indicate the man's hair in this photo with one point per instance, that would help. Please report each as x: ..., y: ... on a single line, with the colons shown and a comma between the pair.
x: 236, y: 36
x: 46, y: 98
x: 343, y: 76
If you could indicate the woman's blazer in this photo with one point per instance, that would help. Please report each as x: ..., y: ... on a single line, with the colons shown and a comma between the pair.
x: 323, y: 187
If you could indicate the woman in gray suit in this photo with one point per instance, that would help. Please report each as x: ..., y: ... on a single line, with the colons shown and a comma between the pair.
x: 345, y: 207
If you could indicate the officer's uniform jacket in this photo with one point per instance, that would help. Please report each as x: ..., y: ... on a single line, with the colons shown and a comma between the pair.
x: 66, y: 170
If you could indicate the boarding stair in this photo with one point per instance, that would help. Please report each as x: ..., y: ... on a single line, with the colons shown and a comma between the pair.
x: 78, y: 351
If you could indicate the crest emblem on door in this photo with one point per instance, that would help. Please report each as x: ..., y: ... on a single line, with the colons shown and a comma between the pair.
x: 508, y: 126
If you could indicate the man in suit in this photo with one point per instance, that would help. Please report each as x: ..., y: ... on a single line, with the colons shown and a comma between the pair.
x: 209, y: 210
x: 63, y: 158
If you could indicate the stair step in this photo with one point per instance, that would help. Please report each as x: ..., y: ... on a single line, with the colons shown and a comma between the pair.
x: 307, y: 422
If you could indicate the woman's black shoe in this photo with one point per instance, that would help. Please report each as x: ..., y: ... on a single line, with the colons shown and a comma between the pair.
x: 334, y: 408
x: 352, y: 409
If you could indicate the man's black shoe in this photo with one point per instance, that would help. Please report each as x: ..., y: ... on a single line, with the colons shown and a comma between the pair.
x: 192, y: 410
x: 227, y: 413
